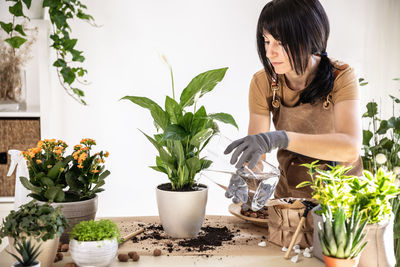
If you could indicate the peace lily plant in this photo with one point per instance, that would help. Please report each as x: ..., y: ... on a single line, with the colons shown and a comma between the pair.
x: 183, y: 131
x: 182, y: 134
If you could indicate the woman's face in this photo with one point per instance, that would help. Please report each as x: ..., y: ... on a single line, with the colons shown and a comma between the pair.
x: 276, y: 54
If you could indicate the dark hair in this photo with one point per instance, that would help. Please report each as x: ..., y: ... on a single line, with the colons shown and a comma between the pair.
x: 302, y: 27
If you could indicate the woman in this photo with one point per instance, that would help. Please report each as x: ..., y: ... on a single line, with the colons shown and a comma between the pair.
x: 313, y: 100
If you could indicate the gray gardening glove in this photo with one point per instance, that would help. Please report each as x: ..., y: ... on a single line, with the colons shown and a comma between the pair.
x: 253, y: 146
x: 237, y: 189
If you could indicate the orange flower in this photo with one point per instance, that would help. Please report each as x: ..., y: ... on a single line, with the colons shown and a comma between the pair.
x: 38, y: 161
x: 49, y: 166
x: 95, y: 171
x: 75, y: 155
x: 80, y: 166
x: 40, y: 143
x: 106, y: 154
x: 57, y: 151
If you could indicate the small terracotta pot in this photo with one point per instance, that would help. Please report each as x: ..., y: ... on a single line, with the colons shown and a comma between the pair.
x: 335, y: 262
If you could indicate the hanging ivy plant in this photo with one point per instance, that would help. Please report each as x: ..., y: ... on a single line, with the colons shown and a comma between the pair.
x: 68, y: 63
x: 15, y: 41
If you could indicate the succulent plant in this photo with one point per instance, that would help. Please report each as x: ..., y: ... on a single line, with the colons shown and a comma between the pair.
x: 341, y: 237
x: 28, y: 252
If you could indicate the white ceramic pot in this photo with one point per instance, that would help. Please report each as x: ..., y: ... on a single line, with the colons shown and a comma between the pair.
x: 76, y: 212
x: 379, y: 250
x: 36, y: 264
x: 48, y: 250
x: 182, y: 213
x: 317, y: 250
x: 93, y: 253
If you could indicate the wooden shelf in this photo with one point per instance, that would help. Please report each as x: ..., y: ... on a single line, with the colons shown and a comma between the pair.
x: 30, y: 112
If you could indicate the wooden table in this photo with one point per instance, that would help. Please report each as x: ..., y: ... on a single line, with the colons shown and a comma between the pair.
x: 243, y: 252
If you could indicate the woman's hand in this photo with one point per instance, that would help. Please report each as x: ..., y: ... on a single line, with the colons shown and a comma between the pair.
x: 253, y: 146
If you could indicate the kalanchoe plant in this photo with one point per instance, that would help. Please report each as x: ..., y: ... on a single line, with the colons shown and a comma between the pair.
x: 95, y: 231
x: 341, y: 237
x: 372, y: 194
x: 54, y: 177
x: 28, y: 252
x: 183, y: 134
x: 41, y: 222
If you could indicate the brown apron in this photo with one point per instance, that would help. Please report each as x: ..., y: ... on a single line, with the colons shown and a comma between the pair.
x: 316, y: 118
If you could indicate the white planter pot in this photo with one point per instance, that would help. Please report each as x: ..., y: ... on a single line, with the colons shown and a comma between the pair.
x: 48, y: 250
x: 379, y: 252
x: 317, y: 250
x: 76, y: 212
x: 182, y: 213
x: 17, y: 264
x: 94, y: 253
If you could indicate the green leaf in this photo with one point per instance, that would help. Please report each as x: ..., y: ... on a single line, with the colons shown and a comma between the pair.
x: 68, y: 75
x: 163, y: 154
x: 104, y: 175
x: 72, y: 181
x: 372, y: 110
x: 60, y: 196
x: 225, y: 118
x: 174, y: 132
x: 177, y: 151
x: 367, y: 135
x: 28, y: 3
x: 7, y: 27
x: 69, y: 44
x: 15, y: 41
x: 16, y: 9
x: 59, y: 63
x: 205, y: 163
x: 201, y: 137
x: 159, y: 115
x: 186, y: 121
x: 173, y: 109
x: 18, y: 28
x: 78, y: 92
x: 55, y: 170
x: 51, y: 193
x: 47, y: 181
x: 25, y: 182
x: 303, y: 184
x: 193, y: 164
x: 202, y: 83
x: 383, y: 127
x: 395, y: 99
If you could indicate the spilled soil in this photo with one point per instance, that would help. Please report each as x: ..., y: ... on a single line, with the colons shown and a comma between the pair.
x: 209, y: 238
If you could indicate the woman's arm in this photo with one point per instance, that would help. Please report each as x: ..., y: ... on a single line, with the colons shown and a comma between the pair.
x: 258, y: 123
x: 344, y: 145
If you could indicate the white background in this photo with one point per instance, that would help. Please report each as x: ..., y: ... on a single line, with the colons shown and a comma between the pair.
x: 122, y: 59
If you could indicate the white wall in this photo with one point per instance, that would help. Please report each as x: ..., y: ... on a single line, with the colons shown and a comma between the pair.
x: 196, y: 36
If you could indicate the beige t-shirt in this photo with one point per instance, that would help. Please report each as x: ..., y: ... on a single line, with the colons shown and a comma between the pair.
x: 345, y: 87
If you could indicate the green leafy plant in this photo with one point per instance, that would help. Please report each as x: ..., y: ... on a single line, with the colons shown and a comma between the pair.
x: 333, y: 188
x: 95, y: 231
x: 41, y: 222
x: 341, y: 237
x: 54, y: 177
x: 27, y: 251
x: 183, y: 134
x: 381, y: 140
x: 15, y: 31
x: 68, y: 56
